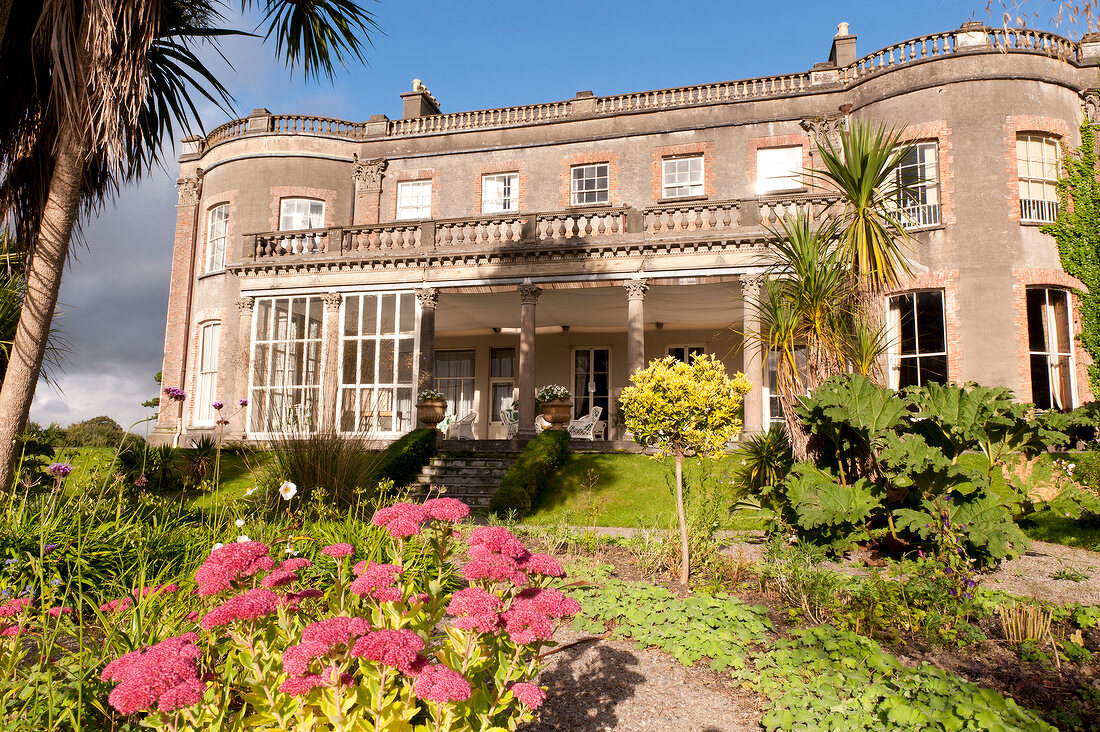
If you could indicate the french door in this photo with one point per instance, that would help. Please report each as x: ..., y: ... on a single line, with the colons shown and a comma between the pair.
x: 591, y: 381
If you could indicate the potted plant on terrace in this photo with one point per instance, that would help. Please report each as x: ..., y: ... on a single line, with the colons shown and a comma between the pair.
x: 431, y: 405
x: 556, y: 404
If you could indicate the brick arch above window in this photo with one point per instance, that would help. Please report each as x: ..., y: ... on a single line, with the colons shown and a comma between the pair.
x: 1024, y: 279
x: 1022, y: 124
x: 948, y: 282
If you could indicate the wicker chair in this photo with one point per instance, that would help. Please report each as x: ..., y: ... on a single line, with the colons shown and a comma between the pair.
x: 585, y: 427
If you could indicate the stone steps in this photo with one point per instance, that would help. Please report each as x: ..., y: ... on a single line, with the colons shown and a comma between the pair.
x: 471, y: 477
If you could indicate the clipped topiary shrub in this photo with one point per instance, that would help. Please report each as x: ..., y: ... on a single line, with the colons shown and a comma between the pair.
x: 401, y: 461
x: 532, y: 471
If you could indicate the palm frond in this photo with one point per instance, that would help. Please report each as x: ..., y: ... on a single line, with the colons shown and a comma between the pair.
x: 315, y: 34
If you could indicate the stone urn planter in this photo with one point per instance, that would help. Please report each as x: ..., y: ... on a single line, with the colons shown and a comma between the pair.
x: 430, y: 412
x: 557, y: 412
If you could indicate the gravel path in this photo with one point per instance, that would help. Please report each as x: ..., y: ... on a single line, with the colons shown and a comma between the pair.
x: 1032, y: 575
x: 611, y: 685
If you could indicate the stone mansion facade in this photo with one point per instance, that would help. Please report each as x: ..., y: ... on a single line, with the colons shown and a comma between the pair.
x: 327, y: 270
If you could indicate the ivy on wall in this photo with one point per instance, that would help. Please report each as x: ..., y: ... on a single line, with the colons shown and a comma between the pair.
x: 1077, y: 232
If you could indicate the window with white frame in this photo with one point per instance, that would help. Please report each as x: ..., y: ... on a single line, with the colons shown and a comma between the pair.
x: 918, y: 186
x: 778, y: 169
x: 920, y: 334
x: 499, y: 192
x: 1050, y: 343
x: 686, y: 353
x: 414, y: 199
x: 502, y: 380
x: 286, y: 364
x: 773, y: 405
x: 378, y: 363
x: 1038, y: 162
x: 217, y: 234
x: 589, y: 184
x: 208, y: 373
x: 682, y: 177
x: 301, y: 213
x: 454, y: 376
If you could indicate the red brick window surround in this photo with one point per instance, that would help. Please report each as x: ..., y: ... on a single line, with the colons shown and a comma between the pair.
x: 517, y: 168
x: 702, y: 151
x: 608, y: 158
x: 412, y: 176
x: 941, y: 134
x: 1014, y: 127
x: 776, y: 141
x: 1024, y: 280
x: 278, y: 193
x: 947, y: 283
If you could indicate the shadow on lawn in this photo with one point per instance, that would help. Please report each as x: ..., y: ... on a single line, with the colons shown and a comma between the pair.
x: 585, y: 684
x: 569, y: 482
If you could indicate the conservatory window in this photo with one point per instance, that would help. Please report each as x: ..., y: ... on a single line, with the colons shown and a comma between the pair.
x: 454, y: 376
x: 286, y: 364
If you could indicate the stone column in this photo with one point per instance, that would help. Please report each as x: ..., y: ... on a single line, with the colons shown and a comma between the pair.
x: 330, y: 379
x: 241, y: 362
x: 635, y: 325
x: 752, y: 353
x: 368, y: 190
x: 428, y: 297
x: 528, y: 296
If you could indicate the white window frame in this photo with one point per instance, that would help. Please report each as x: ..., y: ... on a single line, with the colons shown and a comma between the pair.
x: 1052, y: 353
x: 1038, y: 176
x: 919, y: 205
x: 499, y: 193
x: 207, y: 391
x: 293, y: 218
x: 217, y: 236
x: 382, y: 391
x: 688, y: 349
x: 681, y: 177
x: 580, y: 190
x: 508, y: 382
x: 298, y: 406
x: 446, y: 383
x: 779, y: 169
x: 770, y: 387
x: 896, y: 357
x: 414, y: 199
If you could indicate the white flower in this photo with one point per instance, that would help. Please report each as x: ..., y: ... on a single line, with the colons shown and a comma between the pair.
x: 239, y: 523
x: 288, y: 490
x: 242, y: 539
x: 250, y: 491
x: 291, y: 551
x: 218, y: 545
x: 793, y: 539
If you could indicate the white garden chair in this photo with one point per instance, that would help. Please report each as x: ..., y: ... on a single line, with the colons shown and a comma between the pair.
x: 585, y: 427
x: 509, y: 415
x: 461, y: 429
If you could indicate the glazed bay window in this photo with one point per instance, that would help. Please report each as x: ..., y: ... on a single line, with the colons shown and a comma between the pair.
x: 377, y: 360
x: 918, y: 321
x: 499, y: 193
x: 682, y: 177
x: 217, y: 234
x: 286, y: 364
x: 589, y: 184
x: 301, y: 213
x: 502, y: 380
x: 414, y: 199
x: 918, y: 187
x: 778, y: 169
x: 1050, y: 342
x: 454, y: 376
x: 1038, y: 162
x: 209, y: 338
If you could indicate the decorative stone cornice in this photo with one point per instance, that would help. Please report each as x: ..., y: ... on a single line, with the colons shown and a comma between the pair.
x: 246, y: 305
x: 188, y: 191
x: 428, y: 297
x: 1092, y: 107
x: 368, y: 174
x: 332, y: 300
x: 529, y: 294
x: 636, y: 289
x: 751, y: 282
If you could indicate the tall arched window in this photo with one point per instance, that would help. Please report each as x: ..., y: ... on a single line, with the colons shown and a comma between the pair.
x: 209, y: 343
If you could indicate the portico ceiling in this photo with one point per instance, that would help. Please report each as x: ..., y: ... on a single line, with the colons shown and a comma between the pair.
x: 674, y: 306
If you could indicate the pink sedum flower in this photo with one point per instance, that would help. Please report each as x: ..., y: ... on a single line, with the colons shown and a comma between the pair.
x: 337, y: 551
x: 301, y: 685
x: 296, y: 659
x: 526, y: 624
x: 59, y: 611
x: 398, y: 649
x: 295, y: 564
x: 13, y: 608
x: 165, y: 674
x: 231, y: 562
x: 440, y: 684
x: 554, y: 603
x: 14, y: 630
x: 529, y: 695
x: 475, y: 609
x: 251, y: 605
x: 185, y: 695
x: 378, y: 581
x: 446, y: 509
x: 294, y: 600
x: 494, y: 568
x: 278, y: 578
x: 402, y: 520
x: 337, y: 631
x: 496, y: 540
x: 117, y: 606
x: 543, y: 565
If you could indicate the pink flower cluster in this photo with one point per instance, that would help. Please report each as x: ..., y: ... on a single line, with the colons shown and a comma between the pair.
x: 231, y: 562
x: 440, y: 684
x: 123, y: 604
x: 530, y: 695
x: 378, y: 581
x: 399, y: 649
x: 319, y: 639
x: 446, y: 509
x: 337, y: 551
x: 475, y: 609
x: 13, y: 608
x: 402, y: 520
x: 294, y: 600
x: 251, y: 605
x: 530, y: 617
x: 165, y: 675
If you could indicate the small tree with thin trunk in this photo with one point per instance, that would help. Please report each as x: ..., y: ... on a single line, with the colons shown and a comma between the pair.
x: 680, y: 409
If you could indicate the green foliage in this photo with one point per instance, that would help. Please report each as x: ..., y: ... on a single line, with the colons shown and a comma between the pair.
x: 823, y: 678
x: 762, y: 460
x: 402, y: 460
x: 1077, y: 232
x: 95, y: 432
x: 528, y: 477
x: 325, y: 459
x: 36, y: 452
x: 678, y: 407
x: 834, y: 515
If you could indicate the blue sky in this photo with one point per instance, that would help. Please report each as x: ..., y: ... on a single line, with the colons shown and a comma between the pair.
x: 471, y: 55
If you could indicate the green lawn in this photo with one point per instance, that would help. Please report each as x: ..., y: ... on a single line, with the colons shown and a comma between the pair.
x: 1046, y: 525
x: 622, y: 489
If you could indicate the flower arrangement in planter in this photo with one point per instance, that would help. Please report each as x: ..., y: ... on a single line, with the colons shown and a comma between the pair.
x: 556, y: 404
x: 431, y: 406
x: 351, y: 646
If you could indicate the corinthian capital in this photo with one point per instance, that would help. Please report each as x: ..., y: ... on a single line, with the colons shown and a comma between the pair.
x: 188, y: 190
x: 368, y: 173
x: 529, y: 294
x: 332, y: 300
x: 636, y: 289
x: 428, y: 297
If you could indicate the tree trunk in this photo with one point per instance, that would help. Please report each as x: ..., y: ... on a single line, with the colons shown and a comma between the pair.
x: 43, y: 283
x: 685, y: 560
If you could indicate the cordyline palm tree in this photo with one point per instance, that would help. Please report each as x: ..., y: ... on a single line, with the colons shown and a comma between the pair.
x: 93, y: 88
